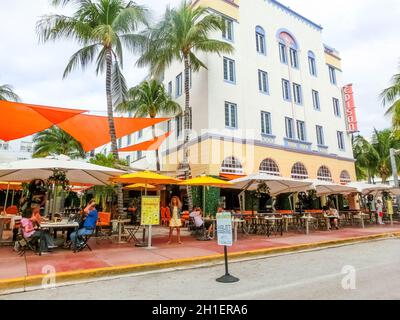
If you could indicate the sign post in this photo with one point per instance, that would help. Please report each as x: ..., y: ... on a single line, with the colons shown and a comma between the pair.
x: 150, y: 214
x: 224, y: 233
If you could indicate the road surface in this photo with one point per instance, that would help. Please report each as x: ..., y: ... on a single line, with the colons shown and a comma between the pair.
x: 363, y: 271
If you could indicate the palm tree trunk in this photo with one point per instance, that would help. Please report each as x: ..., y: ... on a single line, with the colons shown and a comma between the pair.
x: 157, y: 153
x: 111, y: 125
x: 187, y: 129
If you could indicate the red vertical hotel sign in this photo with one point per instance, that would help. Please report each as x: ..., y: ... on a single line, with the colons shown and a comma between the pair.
x: 351, y: 116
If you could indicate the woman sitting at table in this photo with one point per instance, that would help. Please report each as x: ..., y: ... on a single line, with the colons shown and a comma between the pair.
x: 333, y: 216
x: 197, y: 216
x: 89, y: 225
x: 30, y: 230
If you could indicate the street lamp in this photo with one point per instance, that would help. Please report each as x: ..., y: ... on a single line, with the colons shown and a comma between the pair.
x: 393, y: 154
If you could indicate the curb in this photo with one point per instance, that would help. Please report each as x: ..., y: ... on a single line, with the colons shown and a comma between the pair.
x: 31, y: 282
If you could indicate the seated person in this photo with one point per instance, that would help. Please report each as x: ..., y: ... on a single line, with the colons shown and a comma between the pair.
x: 333, y: 215
x: 197, y: 216
x: 89, y: 225
x: 29, y: 226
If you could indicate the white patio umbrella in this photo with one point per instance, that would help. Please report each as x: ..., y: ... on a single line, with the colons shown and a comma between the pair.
x: 326, y: 188
x: 276, y: 184
x: 366, y: 188
x: 41, y: 168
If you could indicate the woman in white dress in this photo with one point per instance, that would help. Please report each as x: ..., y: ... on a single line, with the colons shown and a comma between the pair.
x: 175, y: 222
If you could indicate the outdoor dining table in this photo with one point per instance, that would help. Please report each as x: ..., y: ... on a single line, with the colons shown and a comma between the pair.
x: 57, y: 226
x: 120, y: 223
x: 3, y: 219
x: 270, y: 221
x: 307, y: 220
x: 214, y: 222
x: 236, y: 223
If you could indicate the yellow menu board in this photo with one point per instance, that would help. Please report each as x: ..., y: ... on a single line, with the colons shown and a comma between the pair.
x: 150, y: 211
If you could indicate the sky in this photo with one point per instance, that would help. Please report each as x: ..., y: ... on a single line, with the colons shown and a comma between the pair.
x: 364, y: 31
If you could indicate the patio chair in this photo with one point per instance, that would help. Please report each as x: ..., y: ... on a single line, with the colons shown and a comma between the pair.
x: 85, y: 243
x: 23, y: 244
x: 103, y: 226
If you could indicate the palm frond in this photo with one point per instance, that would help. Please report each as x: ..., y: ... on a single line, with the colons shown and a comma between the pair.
x: 81, y: 59
x: 119, y: 87
x: 7, y: 93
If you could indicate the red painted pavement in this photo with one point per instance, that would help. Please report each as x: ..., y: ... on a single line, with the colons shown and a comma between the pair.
x: 107, y: 254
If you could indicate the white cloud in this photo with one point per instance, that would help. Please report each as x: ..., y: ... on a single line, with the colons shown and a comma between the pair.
x: 364, y: 31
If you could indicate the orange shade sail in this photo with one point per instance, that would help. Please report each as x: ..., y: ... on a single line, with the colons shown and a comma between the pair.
x: 93, y: 131
x: 18, y: 120
x: 150, y: 145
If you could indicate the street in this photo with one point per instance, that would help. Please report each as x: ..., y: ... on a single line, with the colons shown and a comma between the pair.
x: 363, y: 271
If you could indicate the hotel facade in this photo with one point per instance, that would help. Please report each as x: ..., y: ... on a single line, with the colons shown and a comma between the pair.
x: 274, y: 105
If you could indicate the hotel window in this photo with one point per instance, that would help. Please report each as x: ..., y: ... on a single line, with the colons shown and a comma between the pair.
x: 289, y: 128
x: 140, y: 134
x: 340, y: 138
x: 178, y: 124
x: 336, y: 107
x: 269, y: 166
x: 263, y: 81
x: 230, y: 115
x: 266, y: 123
x: 170, y: 88
x: 26, y: 146
x: 128, y: 160
x: 260, y: 40
x: 139, y: 155
x: 324, y: 174
x: 283, y: 53
x: 332, y: 75
x: 227, y: 33
x: 119, y: 142
x: 345, y: 177
x: 178, y: 83
x: 312, y: 63
x: 229, y: 70
x: 316, y: 101
x: 129, y: 140
x: 231, y: 165
x: 299, y: 171
x: 297, y: 94
x: 301, y: 131
x: 320, y: 136
x: 286, y: 90
x: 294, y: 60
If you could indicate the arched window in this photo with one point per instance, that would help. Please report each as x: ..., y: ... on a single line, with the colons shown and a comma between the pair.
x: 324, y: 174
x: 345, y: 177
x: 299, y: 171
x: 269, y: 166
x: 260, y: 40
x: 312, y: 64
x: 231, y: 165
x: 288, y: 42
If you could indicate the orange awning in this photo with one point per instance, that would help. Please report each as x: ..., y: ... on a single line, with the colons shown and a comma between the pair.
x: 150, y: 145
x: 18, y: 120
x: 93, y: 131
x: 231, y: 176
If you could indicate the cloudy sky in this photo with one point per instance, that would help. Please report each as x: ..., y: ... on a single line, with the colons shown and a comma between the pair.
x: 364, y: 31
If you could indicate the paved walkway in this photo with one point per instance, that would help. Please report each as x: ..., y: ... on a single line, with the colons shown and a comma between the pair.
x: 107, y: 254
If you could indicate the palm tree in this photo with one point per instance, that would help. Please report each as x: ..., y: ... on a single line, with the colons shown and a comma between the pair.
x: 102, y: 28
x: 373, y: 158
x: 55, y: 141
x: 7, y: 93
x: 391, y: 99
x: 181, y: 35
x: 149, y: 99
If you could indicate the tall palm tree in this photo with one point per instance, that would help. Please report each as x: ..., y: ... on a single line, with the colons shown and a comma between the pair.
x: 391, y: 99
x: 7, y: 93
x: 149, y: 99
x: 181, y: 35
x: 373, y: 158
x: 55, y: 141
x: 102, y: 28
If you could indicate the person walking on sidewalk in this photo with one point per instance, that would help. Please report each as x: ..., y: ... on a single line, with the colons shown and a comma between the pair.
x: 379, y: 211
x: 175, y: 222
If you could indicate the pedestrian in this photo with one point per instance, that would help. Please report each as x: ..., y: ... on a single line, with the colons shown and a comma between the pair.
x: 379, y: 211
x: 175, y: 222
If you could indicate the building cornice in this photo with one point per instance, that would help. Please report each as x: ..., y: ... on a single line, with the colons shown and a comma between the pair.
x: 257, y: 143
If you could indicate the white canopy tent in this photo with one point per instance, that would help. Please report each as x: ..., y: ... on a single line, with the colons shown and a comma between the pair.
x: 79, y: 172
x: 366, y: 188
x: 327, y: 188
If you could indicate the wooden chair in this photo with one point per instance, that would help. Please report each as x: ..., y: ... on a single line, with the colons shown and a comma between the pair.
x: 103, y: 227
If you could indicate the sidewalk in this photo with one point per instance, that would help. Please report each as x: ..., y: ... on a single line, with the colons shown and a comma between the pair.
x: 110, y: 255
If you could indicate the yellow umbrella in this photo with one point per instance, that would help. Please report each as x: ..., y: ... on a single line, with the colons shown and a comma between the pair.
x: 140, y: 186
x: 206, y: 181
x: 145, y: 177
